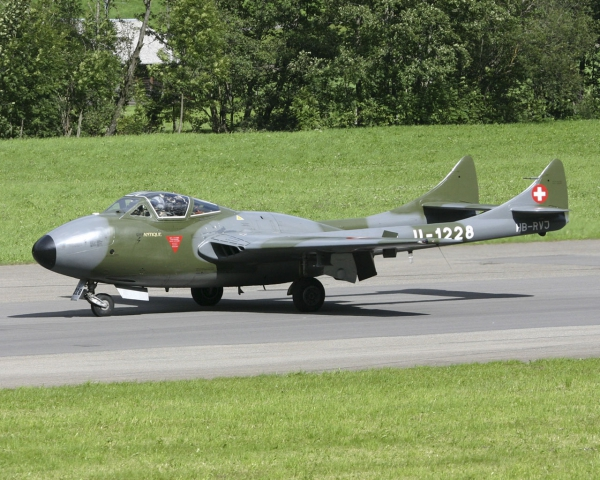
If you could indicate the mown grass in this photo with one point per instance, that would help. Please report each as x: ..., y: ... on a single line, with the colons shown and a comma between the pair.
x: 317, y: 174
x: 497, y: 420
x: 124, y: 8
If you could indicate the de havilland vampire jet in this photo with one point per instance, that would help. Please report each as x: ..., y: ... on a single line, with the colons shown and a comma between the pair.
x: 167, y: 240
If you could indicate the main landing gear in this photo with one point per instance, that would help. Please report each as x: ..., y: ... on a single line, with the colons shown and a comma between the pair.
x: 207, y: 297
x: 308, y: 294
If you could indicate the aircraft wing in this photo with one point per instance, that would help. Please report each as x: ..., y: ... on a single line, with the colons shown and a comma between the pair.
x: 254, y: 248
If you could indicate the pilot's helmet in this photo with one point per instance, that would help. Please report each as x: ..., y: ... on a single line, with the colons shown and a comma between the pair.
x: 158, y: 202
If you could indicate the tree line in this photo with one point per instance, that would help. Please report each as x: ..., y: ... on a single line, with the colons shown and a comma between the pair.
x: 236, y: 65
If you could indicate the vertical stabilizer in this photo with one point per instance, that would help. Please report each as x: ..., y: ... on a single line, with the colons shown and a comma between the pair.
x: 459, y: 186
x: 548, y: 191
x: 454, y: 198
x: 542, y: 207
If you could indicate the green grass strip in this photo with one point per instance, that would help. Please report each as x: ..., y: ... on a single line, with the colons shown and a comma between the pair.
x: 319, y: 174
x: 496, y: 420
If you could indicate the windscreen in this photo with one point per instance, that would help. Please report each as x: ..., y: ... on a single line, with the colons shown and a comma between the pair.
x: 122, y: 205
x: 165, y: 205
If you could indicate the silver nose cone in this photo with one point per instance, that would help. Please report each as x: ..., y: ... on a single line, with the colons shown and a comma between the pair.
x: 44, y: 252
x: 75, y: 248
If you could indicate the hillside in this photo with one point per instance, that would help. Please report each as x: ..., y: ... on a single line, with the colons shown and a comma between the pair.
x: 317, y: 174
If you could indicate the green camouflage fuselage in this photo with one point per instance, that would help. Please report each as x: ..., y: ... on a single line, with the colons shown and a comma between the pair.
x: 160, y: 239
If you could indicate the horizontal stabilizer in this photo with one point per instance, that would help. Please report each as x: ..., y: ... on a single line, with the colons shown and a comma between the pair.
x: 460, y: 206
x: 440, y: 212
x: 536, y: 210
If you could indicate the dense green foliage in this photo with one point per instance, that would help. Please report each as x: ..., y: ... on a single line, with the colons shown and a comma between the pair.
x: 398, y: 62
x: 298, y: 64
x: 193, y: 72
x: 504, y: 420
x: 57, y: 68
x: 336, y: 173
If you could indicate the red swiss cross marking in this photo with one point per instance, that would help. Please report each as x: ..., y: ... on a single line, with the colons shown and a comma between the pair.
x: 539, y: 194
x: 174, y: 241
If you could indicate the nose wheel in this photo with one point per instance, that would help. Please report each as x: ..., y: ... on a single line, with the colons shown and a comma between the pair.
x: 104, y: 307
x: 102, y: 304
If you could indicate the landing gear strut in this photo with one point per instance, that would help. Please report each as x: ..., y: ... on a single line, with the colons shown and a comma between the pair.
x: 102, y: 304
x: 308, y: 294
x: 207, y: 297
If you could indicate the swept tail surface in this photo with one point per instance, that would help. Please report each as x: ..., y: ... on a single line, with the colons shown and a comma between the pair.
x: 456, y: 197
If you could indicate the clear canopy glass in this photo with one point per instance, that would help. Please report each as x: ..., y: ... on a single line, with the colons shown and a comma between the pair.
x: 165, y: 205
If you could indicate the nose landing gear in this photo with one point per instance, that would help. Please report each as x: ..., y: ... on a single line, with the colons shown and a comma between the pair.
x: 102, y: 304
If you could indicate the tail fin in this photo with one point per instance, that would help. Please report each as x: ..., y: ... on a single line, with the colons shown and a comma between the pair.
x: 547, y: 193
x: 542, y: 207
x: 456, y: 197
x: 459, y: 186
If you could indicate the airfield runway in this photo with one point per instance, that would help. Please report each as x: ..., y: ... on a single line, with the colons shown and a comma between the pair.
x: 467, y: 303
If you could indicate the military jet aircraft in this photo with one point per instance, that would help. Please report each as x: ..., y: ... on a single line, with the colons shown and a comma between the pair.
x: 168, y: 240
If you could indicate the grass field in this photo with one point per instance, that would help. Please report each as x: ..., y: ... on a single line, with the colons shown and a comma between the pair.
x: 318, y: 174
x: 498, y: 420
x: 123, y: 8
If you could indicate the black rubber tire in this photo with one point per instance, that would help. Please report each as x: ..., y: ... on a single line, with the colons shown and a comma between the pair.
x: 308, y: 294
x: 207, y: 297
x: 104, y: 312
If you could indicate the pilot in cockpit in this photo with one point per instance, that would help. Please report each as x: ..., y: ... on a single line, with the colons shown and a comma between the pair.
x: 141, y: 211
x: 158, y: 202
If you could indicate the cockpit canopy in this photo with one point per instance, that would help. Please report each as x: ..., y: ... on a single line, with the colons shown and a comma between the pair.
x: 164, y: 205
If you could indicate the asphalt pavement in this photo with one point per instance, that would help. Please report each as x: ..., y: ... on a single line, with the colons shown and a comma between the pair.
x: 466, y: 303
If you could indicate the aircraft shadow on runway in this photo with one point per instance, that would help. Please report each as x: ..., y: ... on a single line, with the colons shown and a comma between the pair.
x: 444, y: 295
x: 334, y: 305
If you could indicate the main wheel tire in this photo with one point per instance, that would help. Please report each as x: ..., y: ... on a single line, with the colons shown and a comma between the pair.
x: 104, y: 312
x: 207, y: 297
x: 308, y: 294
